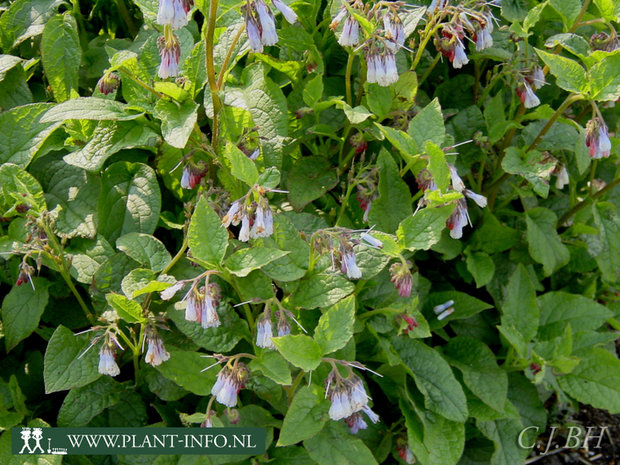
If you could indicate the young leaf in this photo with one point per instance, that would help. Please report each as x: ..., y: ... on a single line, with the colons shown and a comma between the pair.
x: 422, y: 230
x: 128, y: 310
x: 244, y: 261
x: 145, y: 249
x: 241, y: 166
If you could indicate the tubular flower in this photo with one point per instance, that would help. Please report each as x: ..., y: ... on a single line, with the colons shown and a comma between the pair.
x: 156, y: 354
x: 597, y: 139
x: 394, y: 32
x: 208, y: 315
x: 527, y: 96
x: 348, y: 263
x: 267, y: 23
x: 286, y: 11
x: 401, y: 278
x: 264, y: 331
x: 350, y: 35
x: 173, y: 12
x: 347, y: 396
x: 107, y: 364
x: 253, y: 31
x: 230, y: 380
x: 170, y: 52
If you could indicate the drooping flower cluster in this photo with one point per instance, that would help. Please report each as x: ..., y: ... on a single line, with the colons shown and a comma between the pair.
x: 401, y: 278
x: 597, y: 138
x: 348, y: 398
x: 529, y: 82
x: 156, y: 353
x: 264, y: 330
x: 192, y: 175
x: 172, y: 14
x: 339, y: 243
x: 25, y: 274
x: 460, y: 216
x: 202, y: 303
x: 108, y: 83
x: 255, y: 216
x: 260, y: 24
x: 230, y: 380
x: 464, y: 23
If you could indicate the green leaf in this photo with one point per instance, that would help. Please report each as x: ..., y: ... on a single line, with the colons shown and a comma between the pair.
x: 321, y: 290
x: 292, y: 266
x: 305, y: 417
x: 25, y: 19
x: 433, y: 377
x: 481, y: 266
x: 545, y: 245
x: 335, y: 326
x: 428, y: 125
x: 480, y: 371
x: 184, y: 368
x: 84, y: 403
x: 433, y: 439
x: 130, y: 200
x: 145, y: 249
x: 400, y: 140
x: 438, y: 166
x: 63, y: 368
x: 568, y: 10
x: 356, y: 115
x: 608, y: 240
x: 520, y: 309
x: 394, y: 202
x: 195, y: 68
x: 570, y: 75
x: 128, y: 310
x: 207, y: 238
x: 574, y: 43
x: 557, y: 309
x: 313, y: 91
x: 73, y: 191
x: 61, y: 55
x: 595, y: 381
x: 378, y: 99
x: 604, y: 78
x: 241, y: 166
x: 533, y: 16
x: 21, y: 310
x: 89, y: 108
x: 18, y: 187
x: 493, y: 236
x: 108, y: 138
x: 423, y: 230
x: 503, y: 434
x: 610, y: 9
x: 299, y: 349
x: 23, y: 133
x: 221, y: 339
x: 335, y: 446
x: 495, y: 118
x: 244, y: 261
x: 273, y: 366
x: 531, y: 165
x: 177, y: 121
x: 265, y: 101
x: 310, y: 178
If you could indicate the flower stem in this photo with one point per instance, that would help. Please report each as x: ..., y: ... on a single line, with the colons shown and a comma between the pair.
x: 347, y: 78
x: 209, y: 40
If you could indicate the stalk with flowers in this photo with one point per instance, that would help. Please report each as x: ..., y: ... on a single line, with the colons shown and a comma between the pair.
x: 384, y: 231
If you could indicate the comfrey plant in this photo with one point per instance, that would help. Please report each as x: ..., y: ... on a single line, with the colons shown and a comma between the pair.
x: 384, y: 232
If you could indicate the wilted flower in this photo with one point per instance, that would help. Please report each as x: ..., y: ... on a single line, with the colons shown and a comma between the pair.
x: 401, y: 278
x: 232, y: 217
x: 338, y: 18
x: 108, y: 83
x: 25, y: 274
x: 264, y: 331
x: 230, y: 380
x: 170, y: 52
x: 605, y: 42
x: 480, y: 200
x: 107, y: 364
x: 527, y: 96
x: 284, y: 328
x: 597, y: 139
x: 286, y: 11
x: 538, y: 78
x: 156, y: 354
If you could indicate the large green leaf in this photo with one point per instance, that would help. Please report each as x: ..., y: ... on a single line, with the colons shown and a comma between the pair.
x: 61, y: 55
x: 177, y: 121
x: 21, y: 310
x: 244, y: 261
x: 299, y: 349
x: 545, y: 245
x: 184, y: 368
x: 145, y: 249
x: 434, y: 378
x: 240, y: 165
x: 520, y: 309
x: 595, y: 381
x: 84, y: 403
x: 285, y: 236
x: 89, y: 108
x: 394, y: 202
x: 63, y: 368
x: 23, y: 133
x: 608, y: 240
x: 335, y: 446
x: 310, y: 178
x: 422, y: 230
x: 335, y: 326
x: 428, y: 125
x: 129, y: 200
x: 321, y: 290
x: 480, y: 371
x: 503, y: 433
x: 25, y: 19
x: 305, y: 417
x: 570, y: 75
x: 208, y: 240
x: 18, y: 187
x: 273, y: 366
